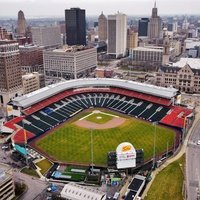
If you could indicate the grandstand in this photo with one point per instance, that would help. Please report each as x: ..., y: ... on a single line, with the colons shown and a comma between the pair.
x: 48, y: 107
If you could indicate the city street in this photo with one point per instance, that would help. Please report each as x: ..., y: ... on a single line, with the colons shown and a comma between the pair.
x: 193, y: 164
x: 35, y: 186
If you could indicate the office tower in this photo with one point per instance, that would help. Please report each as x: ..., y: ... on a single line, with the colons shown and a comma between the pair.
x: 175, y: 25
x: 75, y: 26
x: 21, y: 24
x: 170, y: 27
x: 117, y: 35
x: 166, y: 47
x: 10, y: 71
x: 61, y: 24
x: 102, y: 27
x: 132, y: 39
x: 31, y: 57
x: 70, y: 62
x: 143, y: 27
x: 47, y: 36
x: 146, y: 56
x: 5, y: 35
x: 155, y: 24
x: 185, y: 24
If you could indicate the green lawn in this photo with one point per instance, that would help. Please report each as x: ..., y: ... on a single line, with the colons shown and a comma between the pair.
x: 30, y: 172
x: 168, y: 183
x: 99, y: 118
x: 44, y: 165
x: 72, y: 144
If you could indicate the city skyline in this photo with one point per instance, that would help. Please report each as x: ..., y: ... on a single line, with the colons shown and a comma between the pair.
x: 37, y: 8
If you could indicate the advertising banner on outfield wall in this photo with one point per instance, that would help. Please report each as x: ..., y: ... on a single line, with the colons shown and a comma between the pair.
x: 126, y: 156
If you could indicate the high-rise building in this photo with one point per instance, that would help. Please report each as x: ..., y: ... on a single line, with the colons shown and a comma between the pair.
x: 102, y: 23
x: 75, y: 26
x: 62, y: 31
x: 10, y: 71
x: 31, y: 58
x: 117, y: 35
x: 21, y: 24
x: 5, y: 35
x: 185, y: 24
x: 47, y: 36
x: 143, y: 27
x: 166, y: 47
x: 132, y: 39
x: 69, y: 62
x: 155, y: 25
x: 175, y: 25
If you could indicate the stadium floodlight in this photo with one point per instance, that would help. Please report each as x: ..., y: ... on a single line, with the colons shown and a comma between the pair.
x: 25, y: 142
x: 92, y: 151
x: 154, y: 144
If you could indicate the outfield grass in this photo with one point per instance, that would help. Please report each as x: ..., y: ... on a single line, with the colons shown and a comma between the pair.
x: 72, y: 144
x: 168, y: 183
x: 44, y: 165
x: 99, y: 118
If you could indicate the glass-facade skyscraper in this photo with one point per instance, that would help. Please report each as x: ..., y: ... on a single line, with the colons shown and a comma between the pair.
x: 75, y: 26
x: 143, y: 27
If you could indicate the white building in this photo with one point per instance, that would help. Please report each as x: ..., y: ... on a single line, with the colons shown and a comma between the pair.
x: 190, y: 43
x: 7, y: 188
x: 70, y: 62
x: 48, y: 36
x: 151, y: 54
x: 117, y: 35
x: 74, y: 191
x: 31, y: 82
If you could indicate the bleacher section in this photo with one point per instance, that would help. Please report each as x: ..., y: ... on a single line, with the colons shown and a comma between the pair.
x: 123, y: 92
x: 176, y: 117
x: 12, y: 123
x: 68, y: 104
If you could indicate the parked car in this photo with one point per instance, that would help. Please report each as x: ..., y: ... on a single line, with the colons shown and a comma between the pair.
x: 4, y: 147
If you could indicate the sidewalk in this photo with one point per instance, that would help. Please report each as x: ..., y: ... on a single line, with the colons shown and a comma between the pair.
x: 172, y: 159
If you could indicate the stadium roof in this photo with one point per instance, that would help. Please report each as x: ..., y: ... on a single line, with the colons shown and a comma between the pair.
x: 46, y: 92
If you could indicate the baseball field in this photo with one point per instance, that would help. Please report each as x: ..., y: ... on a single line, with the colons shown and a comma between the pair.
x: 105, y: 130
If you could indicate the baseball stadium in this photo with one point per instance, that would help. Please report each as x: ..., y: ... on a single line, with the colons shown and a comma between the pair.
x: 65, y: 120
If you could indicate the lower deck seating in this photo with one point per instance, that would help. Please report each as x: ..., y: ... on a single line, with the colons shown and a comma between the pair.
x: 61, y: 110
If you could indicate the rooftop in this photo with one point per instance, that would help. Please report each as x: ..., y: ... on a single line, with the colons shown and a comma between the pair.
x: 71, y: 49
x: 31, y: 75
x: 48, y: 91
x: 5, y: 172
x: 3, y: 42
x: 194, y: 63
x: 149, y: 48
x: 79, y: 192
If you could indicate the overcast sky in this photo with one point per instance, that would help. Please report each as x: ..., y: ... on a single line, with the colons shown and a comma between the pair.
x: 55, y: 8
